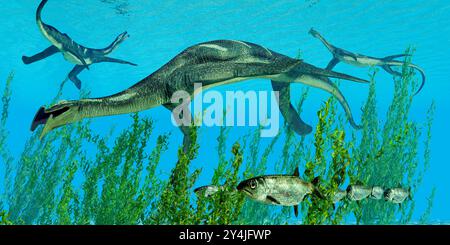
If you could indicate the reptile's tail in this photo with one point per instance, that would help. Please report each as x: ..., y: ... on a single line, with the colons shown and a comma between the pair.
x: 319, y: 78
x: 390, y: 63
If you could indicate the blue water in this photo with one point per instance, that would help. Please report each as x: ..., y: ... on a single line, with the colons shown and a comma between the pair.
x: 161, y: 29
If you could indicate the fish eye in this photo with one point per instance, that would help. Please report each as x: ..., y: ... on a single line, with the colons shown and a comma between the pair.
x: 253, y: 184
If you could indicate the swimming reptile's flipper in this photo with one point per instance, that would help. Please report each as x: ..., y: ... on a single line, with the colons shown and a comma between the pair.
x: 390, y: 71
x: 186, y: 130
x: 332, y: 64
x: 80, y: 59
x: 73, y: 75
x: 287, y: 109
x: 391, y: 57
x: 42, y: 55
x: 108, y: 59
x: 353, y: 56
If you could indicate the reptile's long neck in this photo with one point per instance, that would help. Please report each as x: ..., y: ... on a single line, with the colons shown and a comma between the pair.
x: 113, y: 46
x: 144, y: 95
x: 325, y: 42
x: 38, y: 16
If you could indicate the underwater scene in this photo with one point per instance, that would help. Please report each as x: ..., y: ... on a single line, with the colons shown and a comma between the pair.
x: 136, y: 112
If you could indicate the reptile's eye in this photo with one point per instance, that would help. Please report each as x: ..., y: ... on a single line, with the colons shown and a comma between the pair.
x: 253, y: 184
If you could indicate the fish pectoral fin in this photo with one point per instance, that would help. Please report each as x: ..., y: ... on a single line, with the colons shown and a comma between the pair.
x: 332, y: 64
x: 296, y: 210
x: 273, y: 200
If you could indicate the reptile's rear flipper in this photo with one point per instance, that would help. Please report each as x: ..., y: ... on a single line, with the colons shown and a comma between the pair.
x: 287, y: 109
x: 73, y: 75
x: 332, y: 64
x: 39, y: 56
x: 113, y: 60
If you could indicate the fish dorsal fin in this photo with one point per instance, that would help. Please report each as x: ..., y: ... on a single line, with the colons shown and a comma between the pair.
x: 296, y: 172
x: 273, y: 200
x: 296, y: 210
x: 349, y: 188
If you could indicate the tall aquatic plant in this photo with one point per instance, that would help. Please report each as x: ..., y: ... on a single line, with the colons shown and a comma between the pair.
x: 60, y: 180
x: 4, y: 153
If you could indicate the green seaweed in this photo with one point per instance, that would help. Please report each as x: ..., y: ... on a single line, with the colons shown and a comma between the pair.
x: 58, y: 181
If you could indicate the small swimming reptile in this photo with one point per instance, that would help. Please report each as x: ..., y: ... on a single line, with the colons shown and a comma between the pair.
x: 73, y: 52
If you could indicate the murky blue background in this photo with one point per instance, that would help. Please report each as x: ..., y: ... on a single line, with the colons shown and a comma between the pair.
x: 161, y: 29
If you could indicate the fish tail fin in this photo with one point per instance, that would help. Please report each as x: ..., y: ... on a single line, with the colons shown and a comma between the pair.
x: 318, y: 193
x: 410, y: 193
x: 316, y: 182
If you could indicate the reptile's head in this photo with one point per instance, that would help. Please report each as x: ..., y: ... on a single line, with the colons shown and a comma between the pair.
x: 63, y: 113
x: 122, y: 37
x: 314, y: 33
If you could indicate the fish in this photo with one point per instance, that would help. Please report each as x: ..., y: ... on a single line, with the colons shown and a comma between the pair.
x: 282, y: 190
x: 397, y: 195
x: 358, y: 192
x: 339, y: 195
x: 377, y: 193
x: 207, y: 190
